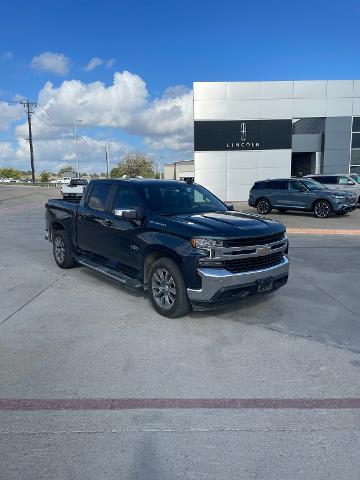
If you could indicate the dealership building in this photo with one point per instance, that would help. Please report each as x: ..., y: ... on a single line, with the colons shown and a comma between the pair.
x: 248, y: 131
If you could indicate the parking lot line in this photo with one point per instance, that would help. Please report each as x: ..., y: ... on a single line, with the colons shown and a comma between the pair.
x: 323, y: 231
x: 178, y: 403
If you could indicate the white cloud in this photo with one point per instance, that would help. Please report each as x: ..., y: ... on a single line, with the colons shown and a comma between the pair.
x: 7, y: 56
x: 164, y: 122
x: 51, y: 62
x: 124, y: 104
x: 9, y: 113
x: 52, y: 154
x: 93, y: 63
x: 110, y: 62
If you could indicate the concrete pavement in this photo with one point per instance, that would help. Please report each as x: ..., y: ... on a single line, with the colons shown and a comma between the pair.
x: 74, y: 334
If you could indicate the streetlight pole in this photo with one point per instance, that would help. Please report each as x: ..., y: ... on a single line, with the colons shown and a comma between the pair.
x: 107, y: 157
x: 76, y: 146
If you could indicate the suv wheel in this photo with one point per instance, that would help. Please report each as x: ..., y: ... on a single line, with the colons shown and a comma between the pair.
x: 167, y: 289
x: 263, y: 206
x: 322, y: 209
x: 62, y: 250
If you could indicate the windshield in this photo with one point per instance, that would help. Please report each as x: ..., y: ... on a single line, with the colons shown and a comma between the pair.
x: 167, y: 199
x: 312, y: 184
x: 356, y: 178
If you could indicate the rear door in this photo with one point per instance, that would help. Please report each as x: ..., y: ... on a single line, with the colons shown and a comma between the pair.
x: 94, y: 219
x: 278, y: 195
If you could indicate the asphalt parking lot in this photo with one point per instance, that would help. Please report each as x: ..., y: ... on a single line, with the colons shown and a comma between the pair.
x: 74, y: 335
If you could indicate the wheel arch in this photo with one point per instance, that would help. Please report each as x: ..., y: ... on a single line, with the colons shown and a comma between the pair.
x: 320, y: 200
x: 151, y: 255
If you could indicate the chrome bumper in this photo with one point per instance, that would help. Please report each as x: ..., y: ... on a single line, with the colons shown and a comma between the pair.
x: 214, y: 279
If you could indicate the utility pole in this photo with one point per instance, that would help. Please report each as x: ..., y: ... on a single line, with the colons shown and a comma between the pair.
x: 30, y: 109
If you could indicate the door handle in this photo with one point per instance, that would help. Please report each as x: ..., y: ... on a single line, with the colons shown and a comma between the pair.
x: 107, y: 223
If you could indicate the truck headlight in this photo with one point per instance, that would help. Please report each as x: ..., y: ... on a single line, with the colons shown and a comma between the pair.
x: 206, y: 242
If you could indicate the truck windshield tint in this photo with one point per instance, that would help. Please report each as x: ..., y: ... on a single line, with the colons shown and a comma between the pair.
x: 176, y: 199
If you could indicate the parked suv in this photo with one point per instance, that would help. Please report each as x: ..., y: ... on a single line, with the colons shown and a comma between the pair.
x: 301, y: 194
x: 339, y: 182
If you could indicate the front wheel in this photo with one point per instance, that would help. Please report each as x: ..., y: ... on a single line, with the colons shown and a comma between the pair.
x: 167, y: 289
x: 322, y: 209
x: 263, y: 206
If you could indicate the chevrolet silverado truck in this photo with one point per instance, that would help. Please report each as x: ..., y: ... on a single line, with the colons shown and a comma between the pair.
x: 173, y: 239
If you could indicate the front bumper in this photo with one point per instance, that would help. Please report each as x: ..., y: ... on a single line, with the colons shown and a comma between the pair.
x: 220, y: 285
x: 345, y: 207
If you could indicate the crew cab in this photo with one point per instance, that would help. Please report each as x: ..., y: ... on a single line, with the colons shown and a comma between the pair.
x: 175, y: 240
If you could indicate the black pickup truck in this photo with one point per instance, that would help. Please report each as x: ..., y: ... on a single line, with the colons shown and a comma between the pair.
x: 175, y: 240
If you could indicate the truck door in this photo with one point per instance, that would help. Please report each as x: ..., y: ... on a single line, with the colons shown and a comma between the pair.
x: 123, y: 242
x: 93, y: 220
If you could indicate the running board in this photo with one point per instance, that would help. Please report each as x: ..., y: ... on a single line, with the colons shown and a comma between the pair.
x: 108, y: 272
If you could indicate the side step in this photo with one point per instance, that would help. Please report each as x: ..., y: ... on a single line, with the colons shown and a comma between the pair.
x: 109, y: 272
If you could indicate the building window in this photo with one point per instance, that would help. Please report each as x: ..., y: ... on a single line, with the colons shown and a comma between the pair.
x: 355, y: 161
x: 356, y: 124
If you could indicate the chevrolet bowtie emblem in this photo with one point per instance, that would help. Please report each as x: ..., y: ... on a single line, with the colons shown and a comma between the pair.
x: 263, y: 250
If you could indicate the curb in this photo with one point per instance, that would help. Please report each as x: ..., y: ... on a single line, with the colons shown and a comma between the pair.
x: 321, y: 231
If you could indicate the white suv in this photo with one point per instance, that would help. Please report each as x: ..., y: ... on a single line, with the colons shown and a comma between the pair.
x: 339, y: 182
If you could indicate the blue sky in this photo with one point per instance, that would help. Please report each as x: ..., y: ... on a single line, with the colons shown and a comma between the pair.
x: 165, y: 44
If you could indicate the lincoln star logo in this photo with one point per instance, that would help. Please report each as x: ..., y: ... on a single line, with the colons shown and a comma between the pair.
x: 263, y: 250
x: 243, y: 131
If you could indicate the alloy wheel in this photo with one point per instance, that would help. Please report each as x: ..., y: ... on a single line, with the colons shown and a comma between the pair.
x: 263, y: 206
x: 163, y: 288
x: 59, y: 249
x: 322, y: 209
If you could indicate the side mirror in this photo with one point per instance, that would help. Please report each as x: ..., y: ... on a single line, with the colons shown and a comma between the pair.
x: 229, y: 206
x: 129, y: 213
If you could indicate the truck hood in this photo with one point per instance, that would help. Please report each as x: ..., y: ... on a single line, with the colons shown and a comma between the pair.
x: 226, y: 224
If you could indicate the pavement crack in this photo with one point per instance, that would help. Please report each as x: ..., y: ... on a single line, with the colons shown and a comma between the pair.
x: 28, y: 302
x: 337, y: 301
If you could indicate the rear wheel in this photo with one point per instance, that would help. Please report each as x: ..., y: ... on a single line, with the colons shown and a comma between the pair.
x: 263, y: 206
x: 167, y: 289
x: 62, y: 250
x: 322, y: 209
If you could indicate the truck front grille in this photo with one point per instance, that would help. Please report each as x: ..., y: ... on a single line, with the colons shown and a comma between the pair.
x: 241, y: 242
x: 253, y: 263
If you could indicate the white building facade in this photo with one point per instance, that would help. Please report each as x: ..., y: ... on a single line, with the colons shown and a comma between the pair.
x: 249, y: 131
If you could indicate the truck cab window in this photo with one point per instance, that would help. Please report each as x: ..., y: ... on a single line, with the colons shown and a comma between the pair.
x: 98, y: 196
x: 125, y: 197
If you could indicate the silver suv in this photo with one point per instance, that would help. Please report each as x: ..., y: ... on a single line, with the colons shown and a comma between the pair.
x: 344, y: 182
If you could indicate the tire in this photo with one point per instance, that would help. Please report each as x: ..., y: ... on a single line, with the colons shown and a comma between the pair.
x: 322, y: 209
x: 62, y: 250
x: 263, y: 206
x: 281, y: 210
x: 167, y: 290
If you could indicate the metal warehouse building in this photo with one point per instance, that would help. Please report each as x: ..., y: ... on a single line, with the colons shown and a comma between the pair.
x: 248, y: 131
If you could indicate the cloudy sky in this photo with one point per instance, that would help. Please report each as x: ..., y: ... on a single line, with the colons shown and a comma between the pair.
x: 124, y: 69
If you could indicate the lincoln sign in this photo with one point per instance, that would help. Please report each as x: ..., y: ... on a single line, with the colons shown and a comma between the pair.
x: 242, y: 135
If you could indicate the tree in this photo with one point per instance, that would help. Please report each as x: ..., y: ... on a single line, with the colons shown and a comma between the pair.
x: 134, y: 164
x: 9, y: 173
x: 44, y: 176
x: 65, y: 169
